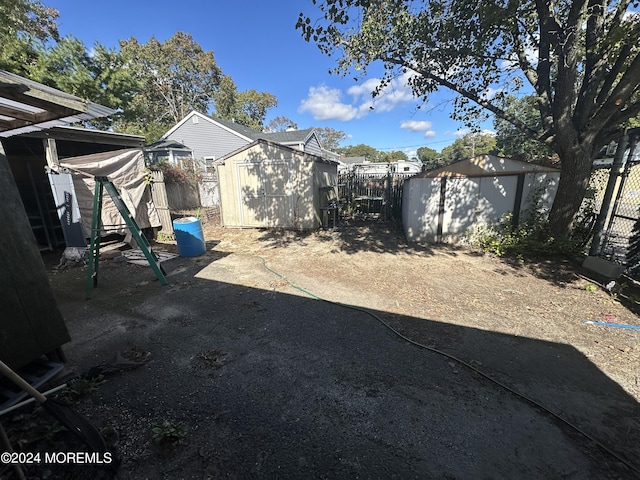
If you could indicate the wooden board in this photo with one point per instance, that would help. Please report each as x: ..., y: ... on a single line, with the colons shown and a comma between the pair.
x: 30, y: 322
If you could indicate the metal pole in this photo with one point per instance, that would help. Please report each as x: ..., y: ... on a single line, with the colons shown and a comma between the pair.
x: 623, y: 180
x: 605, y: 210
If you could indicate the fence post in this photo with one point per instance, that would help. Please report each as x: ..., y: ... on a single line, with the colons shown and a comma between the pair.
x: 159, y: 196
x: 605, y: 209
x: 623, y: 181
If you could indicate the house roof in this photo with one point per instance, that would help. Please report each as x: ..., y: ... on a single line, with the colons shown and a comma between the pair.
x: 165, y: 144
x: 486, y: 166
x: 353, y: 160
x: 291, y: 136
x: 240, y: 130
x: 243, y: 130
x: 27, y: 106
x: 278, y: 145
x: 249, y: 134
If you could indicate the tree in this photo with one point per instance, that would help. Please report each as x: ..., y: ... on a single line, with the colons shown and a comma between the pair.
x: 175, y: 77
x: 248, y: 108
x: 253, y: 107
x: 469, y: 146
x: 99, y: 76
x: 25, y: 25
x: 394, y: 156
x: 330, y: 138
x: 430, y: 158
x: 512, y: 142
x: 361, y: 150
x: 281, y: 124
x: 581, y: 60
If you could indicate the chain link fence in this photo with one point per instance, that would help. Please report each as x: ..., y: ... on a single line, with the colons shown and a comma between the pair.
x: 623, y: 206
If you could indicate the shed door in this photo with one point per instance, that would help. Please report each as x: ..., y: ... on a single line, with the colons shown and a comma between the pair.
x: 275, y: 177
x: 461, y: 201
x: 264, y: 194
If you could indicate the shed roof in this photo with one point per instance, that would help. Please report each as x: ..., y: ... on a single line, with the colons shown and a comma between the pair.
x: 486, y: 166
x: 27, y: 106
x: 277, y: 145
x: 89, y: 135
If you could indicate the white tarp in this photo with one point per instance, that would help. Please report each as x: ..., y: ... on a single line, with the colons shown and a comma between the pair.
x: 126, y: 169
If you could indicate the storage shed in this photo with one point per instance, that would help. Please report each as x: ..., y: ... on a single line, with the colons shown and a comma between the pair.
x: 442, y: 205
x: 267, y: 184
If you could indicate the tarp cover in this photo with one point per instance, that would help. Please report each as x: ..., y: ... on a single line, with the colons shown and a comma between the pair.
x: 126, y: 169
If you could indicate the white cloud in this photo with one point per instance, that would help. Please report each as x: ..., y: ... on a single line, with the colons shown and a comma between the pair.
x: 325, y: 103
x: 411, y: 153
x: 490, y: 93
x: 363, y: 89
x: 418, y: 127
x: 461, y: 132
x: 465, y: 131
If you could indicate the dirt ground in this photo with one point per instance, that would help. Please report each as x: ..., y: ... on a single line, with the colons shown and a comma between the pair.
x: 347, y: 353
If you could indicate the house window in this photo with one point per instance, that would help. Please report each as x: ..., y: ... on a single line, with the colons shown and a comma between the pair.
x: 208, y: 164
x: 194, y: 119
x: 406, y: 169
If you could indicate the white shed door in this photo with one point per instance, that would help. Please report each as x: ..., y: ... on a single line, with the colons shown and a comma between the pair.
x: 265, y: 199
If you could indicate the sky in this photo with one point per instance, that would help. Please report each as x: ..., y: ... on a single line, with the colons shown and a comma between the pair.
x: 256, y: 43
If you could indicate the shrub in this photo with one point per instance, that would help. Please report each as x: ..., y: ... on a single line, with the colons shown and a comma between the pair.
x: 188, y: 172
x: 169, y: 433
x: 532, y: 237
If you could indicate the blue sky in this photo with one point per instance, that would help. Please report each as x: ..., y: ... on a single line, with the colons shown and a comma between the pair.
x: 256, y: 43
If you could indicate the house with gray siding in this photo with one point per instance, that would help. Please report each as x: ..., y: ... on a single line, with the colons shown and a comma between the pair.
x: 211, y: 138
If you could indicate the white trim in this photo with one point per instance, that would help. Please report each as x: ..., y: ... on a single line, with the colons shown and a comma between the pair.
x: 208, y: 119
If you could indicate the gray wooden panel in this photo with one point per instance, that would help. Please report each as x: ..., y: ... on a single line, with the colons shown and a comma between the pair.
x: 30, y: 322
x: 207, y: 139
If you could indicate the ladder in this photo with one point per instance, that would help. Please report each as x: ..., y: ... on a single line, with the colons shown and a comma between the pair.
x: 103, y: 183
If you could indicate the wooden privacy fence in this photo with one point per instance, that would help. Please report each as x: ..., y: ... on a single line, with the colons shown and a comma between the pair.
x: 176, y: 197
x: 183, y: 196
x: 371, y: 196
x: 159, y: 196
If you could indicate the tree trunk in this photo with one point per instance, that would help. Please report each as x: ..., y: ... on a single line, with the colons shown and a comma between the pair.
x: 574, y: 180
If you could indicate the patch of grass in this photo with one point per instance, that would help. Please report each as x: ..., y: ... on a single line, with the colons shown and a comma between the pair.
x: 591, y: 288
x: 81, y: 386
x: 169, y: 433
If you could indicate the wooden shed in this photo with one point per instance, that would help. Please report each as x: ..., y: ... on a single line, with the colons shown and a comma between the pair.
x: 442, y: 205
x: 31, y: 325
x: 267, y: 184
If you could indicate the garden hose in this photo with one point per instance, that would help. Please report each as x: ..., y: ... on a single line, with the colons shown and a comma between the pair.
x: 559, y: 417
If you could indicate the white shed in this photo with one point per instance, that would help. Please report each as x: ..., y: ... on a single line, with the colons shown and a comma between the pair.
x: 267, y: 184
x: 443, y: 204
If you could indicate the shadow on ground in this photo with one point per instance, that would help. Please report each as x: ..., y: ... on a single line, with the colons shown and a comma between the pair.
x: 273, y: 384
x: 354, y: 235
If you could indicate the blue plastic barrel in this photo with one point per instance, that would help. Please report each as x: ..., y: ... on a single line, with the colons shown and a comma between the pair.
x: 189, y: 236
